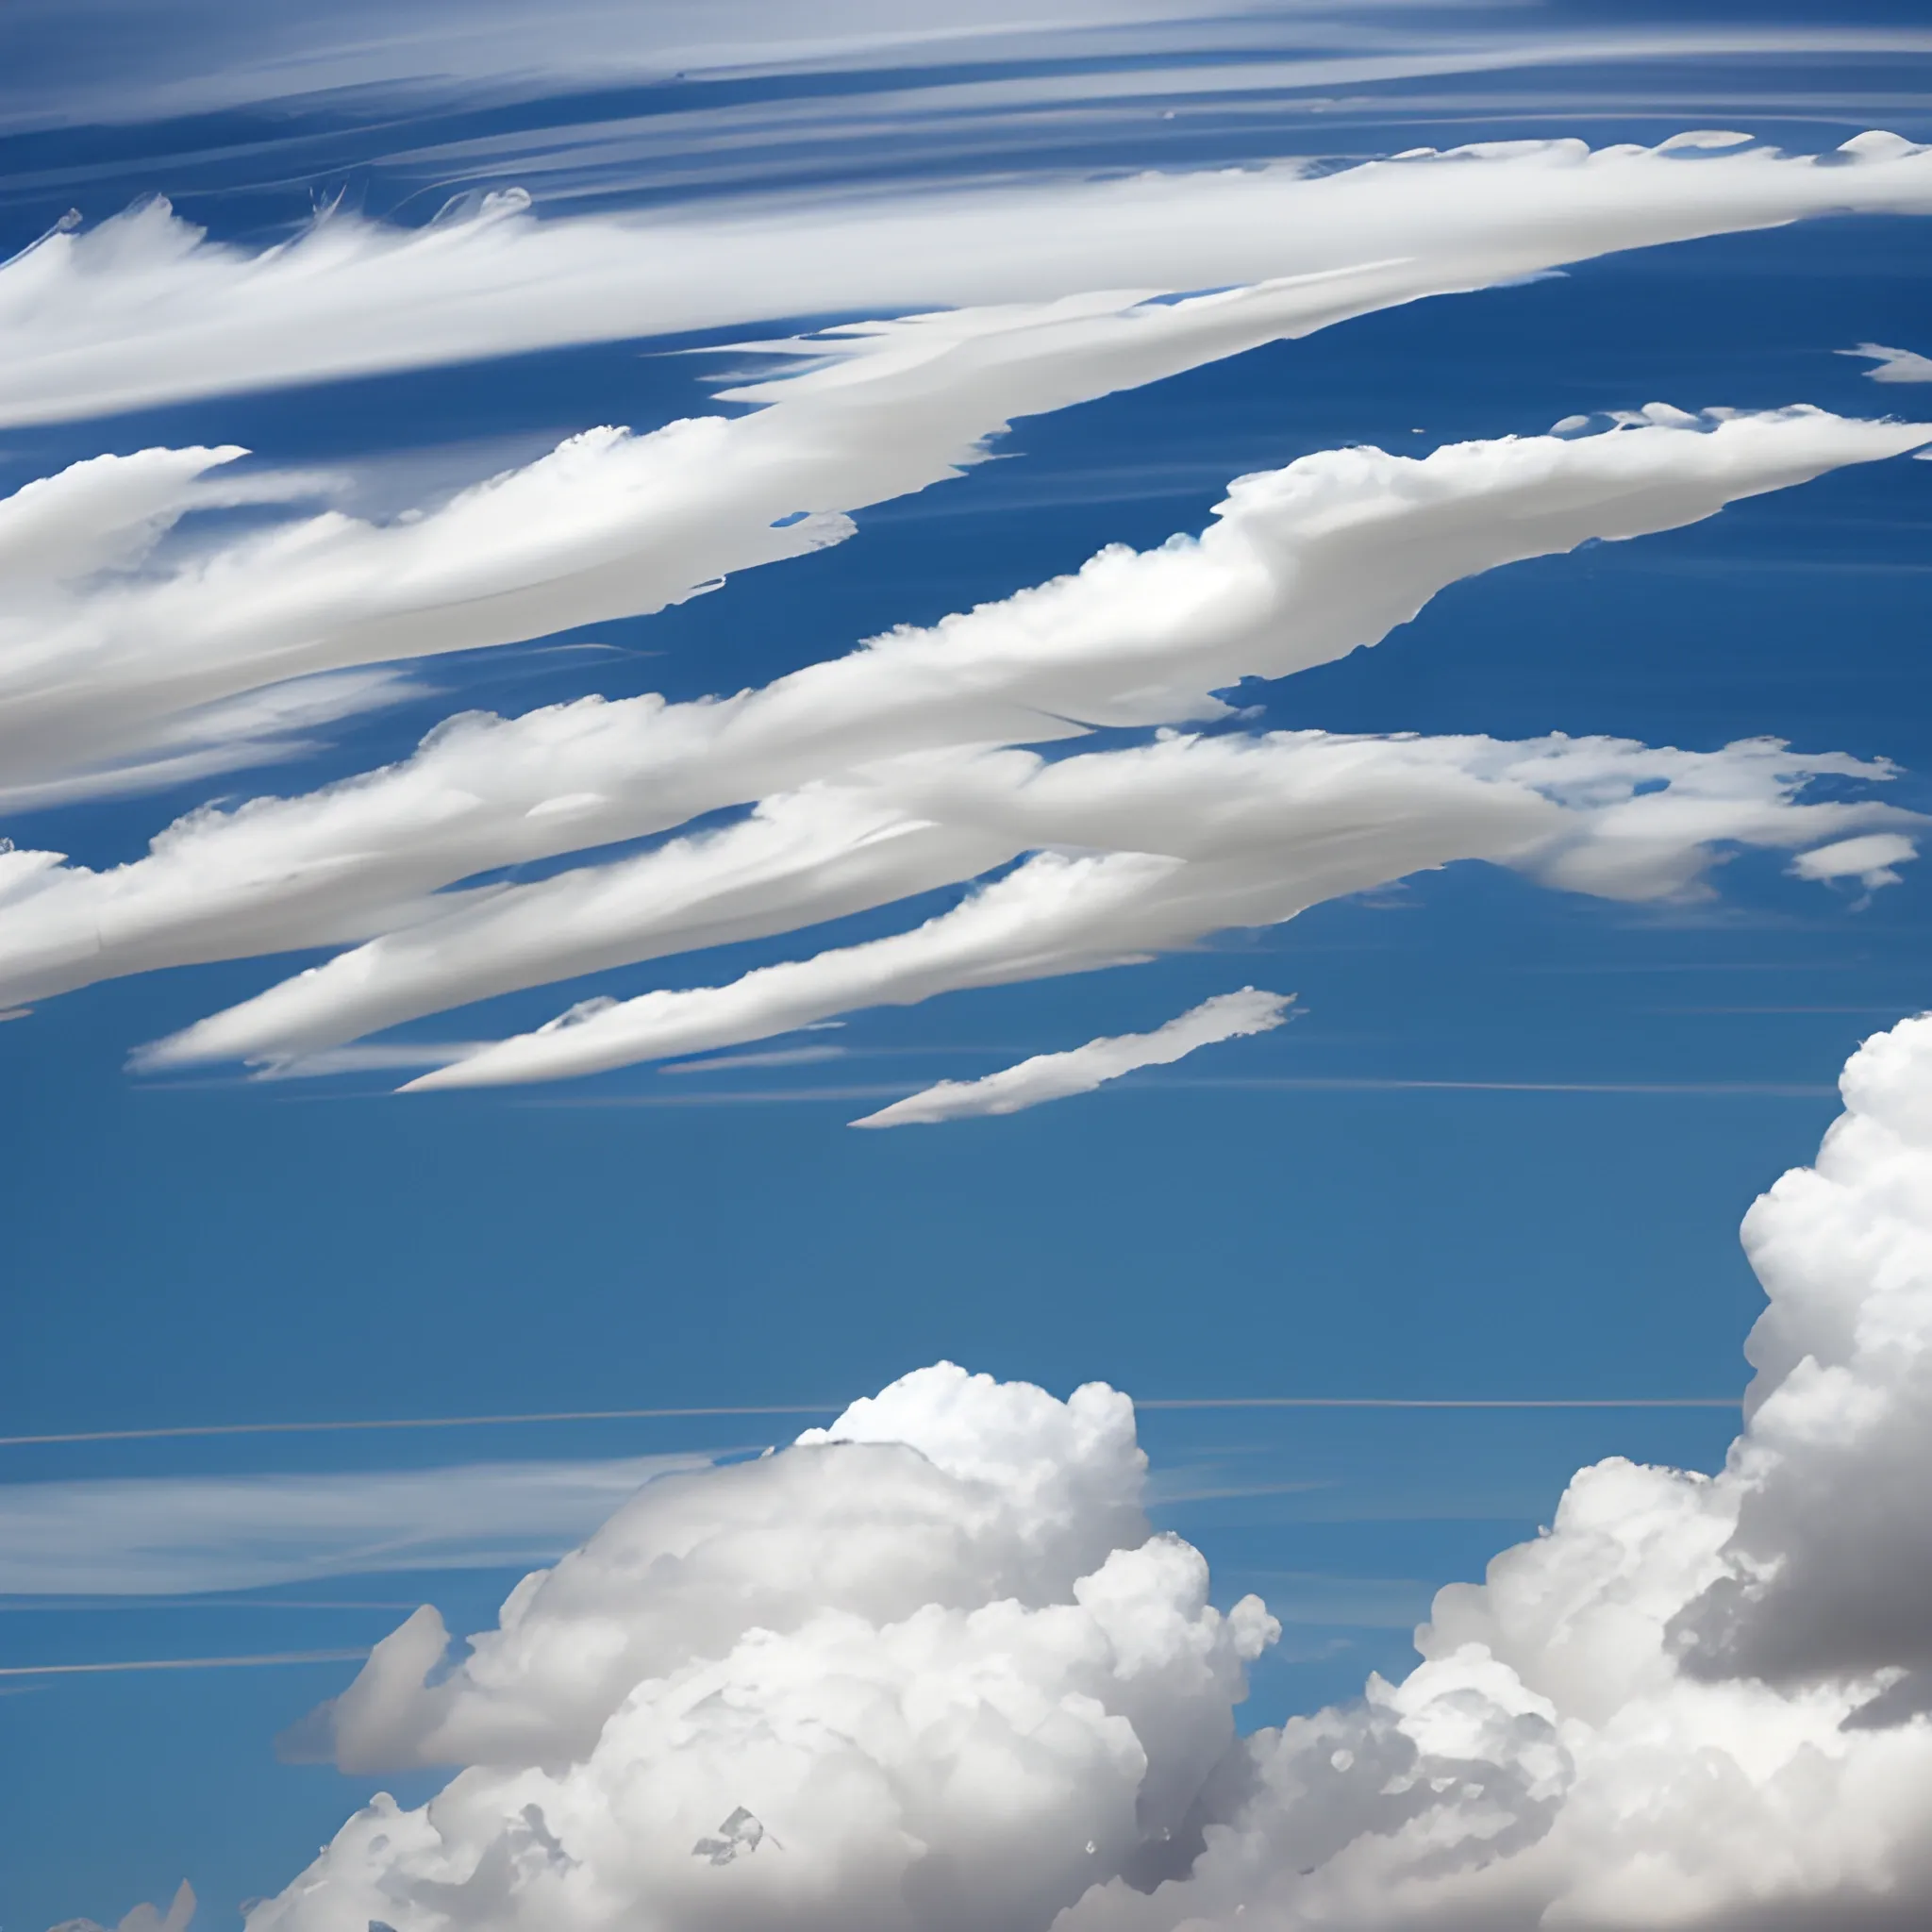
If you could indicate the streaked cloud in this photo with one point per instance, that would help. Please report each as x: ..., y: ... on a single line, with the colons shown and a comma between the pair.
x: 1893, y: 365
x: 170, y: 1536
x: 1060, y: 1075
x: 186, y: 316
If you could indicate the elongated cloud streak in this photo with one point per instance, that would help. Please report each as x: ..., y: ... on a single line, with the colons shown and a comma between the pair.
x: 1197, y: 835
x: 1060, y: 1075
x: 187, y: 317
x: 1893, y: 365
x: 932, y: 1654
x: 168, y: 1536
x: 97, y: 664
x: 1302, y: 565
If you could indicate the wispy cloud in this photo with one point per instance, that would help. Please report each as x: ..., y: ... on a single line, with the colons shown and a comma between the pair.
x: 188, y: 316
x: 1058, y: 1075
x: 186, y: 1535
x: 1303, y: 565
x: 1893, y: 365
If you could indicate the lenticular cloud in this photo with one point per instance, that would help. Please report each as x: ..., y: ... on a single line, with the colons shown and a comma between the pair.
x: 927, y: 1668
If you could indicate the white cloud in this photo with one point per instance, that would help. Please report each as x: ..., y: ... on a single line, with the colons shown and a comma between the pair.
x: 144, y: 1918
x: 1302, y: 565
x: 1189, y: 836
x: 1894, y: 365
x: 99, y: 663
x: 145, y: 309
x: 182, y: 1535
x: 1060, y: 1075
x: 1868, y: 859
x: 953, y: 1683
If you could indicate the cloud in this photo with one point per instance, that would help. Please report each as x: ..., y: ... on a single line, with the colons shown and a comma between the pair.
x: 100, y: 664
x: 1894, y: 365
x: 933, y: 1654
x: 1868, y: 859
x: 144, y: 1918
x: 1302, y: 565
x: 1058, y: 1075
x: 145, y: 309
x: 179, y: 1535
x: 1144, y: 851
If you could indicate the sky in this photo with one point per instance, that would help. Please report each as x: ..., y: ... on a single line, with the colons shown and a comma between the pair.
x: 1455, y: 1216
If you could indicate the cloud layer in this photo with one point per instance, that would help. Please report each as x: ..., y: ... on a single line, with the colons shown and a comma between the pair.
x: 1060, y: 1075
x: 927, y: 1667
x: 145, y: 309
x: 853, y: 810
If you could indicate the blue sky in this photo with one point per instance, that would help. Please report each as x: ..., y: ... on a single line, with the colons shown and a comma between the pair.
x: 1501, y: 1155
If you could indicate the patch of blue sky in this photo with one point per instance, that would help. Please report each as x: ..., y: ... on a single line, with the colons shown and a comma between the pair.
x: 184, y: 1249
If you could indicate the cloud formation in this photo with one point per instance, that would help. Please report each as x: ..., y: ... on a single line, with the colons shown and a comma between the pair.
x: 155, y: 1536
x: 927, y: 1667
x: 1060, y: 1075
x: 1301, y: 566
x: 1145, y: 851
x: 145, y: 309
x: 1893, y: 365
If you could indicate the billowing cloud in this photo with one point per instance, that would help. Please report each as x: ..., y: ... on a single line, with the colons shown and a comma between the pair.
x: 1302, y: 565
x: 927, y: 1667
x: 1060, y: 1075
x: 145, y: 309
x: 177, y: 1534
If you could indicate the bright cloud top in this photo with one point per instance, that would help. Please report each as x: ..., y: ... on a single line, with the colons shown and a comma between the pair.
x: 145, y: 309
x: 927, y: 1667
x: 1060, y: 1075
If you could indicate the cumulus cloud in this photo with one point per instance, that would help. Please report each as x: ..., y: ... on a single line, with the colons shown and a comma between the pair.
x: 927, y: 1667
x: 180, y: 1535
x: 145, y: 309
x: 1302, y: 565
x: 1148, y: 850
x: 1060, y: 1075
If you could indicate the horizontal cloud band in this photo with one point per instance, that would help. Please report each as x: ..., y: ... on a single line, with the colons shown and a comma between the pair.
x: 184, y: 316
x: 1302, y: 565
x: 1060, y: 1075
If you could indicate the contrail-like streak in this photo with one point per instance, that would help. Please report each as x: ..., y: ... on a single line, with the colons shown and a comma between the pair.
x: 610, y: 1415
x: 185, y: 1663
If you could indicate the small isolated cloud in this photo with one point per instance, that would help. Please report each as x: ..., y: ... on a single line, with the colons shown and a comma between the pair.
x: 1894, y: 365
x: 1058, y: 1075
x: 1868, y: 859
